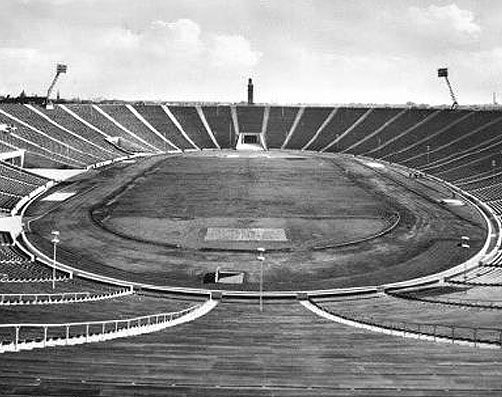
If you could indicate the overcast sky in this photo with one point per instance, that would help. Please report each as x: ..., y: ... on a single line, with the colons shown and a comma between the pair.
x: 310, y: 51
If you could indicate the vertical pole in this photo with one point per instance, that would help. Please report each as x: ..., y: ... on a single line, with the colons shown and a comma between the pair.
x: 54, y: 268
x: 16, y: 341
x: 261, y: 286
x: 261, y: 259
x: 45, y: 336
x: 67, y: 333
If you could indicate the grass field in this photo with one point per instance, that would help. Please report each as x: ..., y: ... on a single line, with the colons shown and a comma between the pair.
x: 306, y: 197
x: 142, y: 211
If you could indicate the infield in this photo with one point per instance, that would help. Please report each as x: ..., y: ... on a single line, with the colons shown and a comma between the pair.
x: 345, y: 223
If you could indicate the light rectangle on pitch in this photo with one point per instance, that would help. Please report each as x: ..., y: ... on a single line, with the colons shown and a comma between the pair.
x: 249, y: 234
x: 59, y: 196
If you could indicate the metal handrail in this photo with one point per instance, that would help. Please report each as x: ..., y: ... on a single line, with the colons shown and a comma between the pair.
x: 103, y: 322
x: 421, y: 328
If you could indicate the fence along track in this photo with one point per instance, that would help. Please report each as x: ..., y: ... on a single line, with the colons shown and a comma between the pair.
x: 77, y: 333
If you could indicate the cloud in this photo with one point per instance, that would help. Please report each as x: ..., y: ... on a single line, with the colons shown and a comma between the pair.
x: 232, y: 52
x: 444, y: 19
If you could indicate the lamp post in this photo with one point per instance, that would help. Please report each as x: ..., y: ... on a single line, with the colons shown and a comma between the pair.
x: 428, y: 147
x: 464, y: 244
x: 261, y: 258
x: 55, y: 240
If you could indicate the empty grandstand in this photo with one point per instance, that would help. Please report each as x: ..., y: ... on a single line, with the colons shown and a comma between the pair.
x: 166, y: 189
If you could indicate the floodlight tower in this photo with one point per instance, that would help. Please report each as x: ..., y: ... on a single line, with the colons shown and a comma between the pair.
x: 443, y: 72
x: 60, y: 68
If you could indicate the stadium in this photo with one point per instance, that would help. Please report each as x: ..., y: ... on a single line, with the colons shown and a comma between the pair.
x: 247, y: 248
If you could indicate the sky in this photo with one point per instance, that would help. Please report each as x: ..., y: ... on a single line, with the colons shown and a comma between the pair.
x: 296, y: 51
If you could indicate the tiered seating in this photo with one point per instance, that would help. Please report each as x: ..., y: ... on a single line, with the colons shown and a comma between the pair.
x: 191, y: 123
x: 11, y: 254
x: 21, y: 175
x: 94, y: 117
x: 101, y: 148
x: 237, y: 350
x: 443, y: 320
x: 311, y: 120
x: 341, y: 122
x: 473, y: 160
x: 488, y: 193
x: 374, y: 120
x: 74, y: 147
x: 412, y: 143
x: 280, y: 121
x: 111, y: 309
x: 156, y: 116
x: 220, y: 121
x: 457, y: 294
x: 483, y: 125
x: 8, y: 201
x: 444, y: 144
x: 14, y: 184
x: 27, y: 271
x: 65, y: 286
x: 126, y: 118
x: 40, y: 149
x: 496, y: 205
x: 250, y: 118
x: 482, y: 275
x: 6, y: 239
x: 406, y: 123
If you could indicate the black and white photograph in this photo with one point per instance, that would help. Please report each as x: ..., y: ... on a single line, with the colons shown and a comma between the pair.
x: 250, y: 198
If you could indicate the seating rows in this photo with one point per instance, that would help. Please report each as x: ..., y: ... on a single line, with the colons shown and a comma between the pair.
x: 388, y: 309
x: 75, y: 284
x: 280, y: 121
x: 481, y: 126
x: 119, y: 308
x: 8, y: 201
x: 126, y: 118
x: 12, y: 254
x: 98, y: 145
x: 158, y: 118
x: 13, y: 186
x: 450, y: 140
x: 93, y: 116
x: 374, y: 120
x: 411, y: 143
x: 482, y: 275
x: 250, y: 118
x: 404, y: 124
x: 488, y: 193
x: 25, y: 271
x: 311, y: 120
x: 236, y: 349
x: 496, y: 206
x: 220, y: 122
x: 50, y: 151
x: 6, y: 239
x: 458, y: 294
x: 59, y: 141
x: 21, y: 175
x: 191, y: 123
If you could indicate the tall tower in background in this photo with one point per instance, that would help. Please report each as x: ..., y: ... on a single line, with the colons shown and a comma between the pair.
x: 250, y: 92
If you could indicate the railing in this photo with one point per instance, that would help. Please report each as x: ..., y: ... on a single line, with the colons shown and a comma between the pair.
x: 33, y: 280
x: 62, y: 297
x: 436, y: 332
x: 15, y: 337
